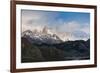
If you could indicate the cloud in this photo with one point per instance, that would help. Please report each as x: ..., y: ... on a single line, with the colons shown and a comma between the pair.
x: 69, y: 26
x: 85, y: 28
x: 76, y: 30
x: 38, y: 19
x: 32, y: 20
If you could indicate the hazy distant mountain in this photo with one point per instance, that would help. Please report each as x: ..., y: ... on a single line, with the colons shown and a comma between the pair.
x: 80, y: 35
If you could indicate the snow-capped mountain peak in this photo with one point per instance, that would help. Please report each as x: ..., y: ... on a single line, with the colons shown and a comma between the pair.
x: 44, y: 36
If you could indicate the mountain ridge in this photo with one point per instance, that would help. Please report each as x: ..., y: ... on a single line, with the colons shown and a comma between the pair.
x: 70, y: 50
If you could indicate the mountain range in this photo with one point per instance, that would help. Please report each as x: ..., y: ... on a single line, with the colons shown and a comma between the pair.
x: 46, y: 32
x: 41, y: 46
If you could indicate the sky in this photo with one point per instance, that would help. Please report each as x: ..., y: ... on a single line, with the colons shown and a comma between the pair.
x: 77, y: 23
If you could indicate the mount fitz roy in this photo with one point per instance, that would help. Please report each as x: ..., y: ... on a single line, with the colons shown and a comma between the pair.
x: 44, y: 36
